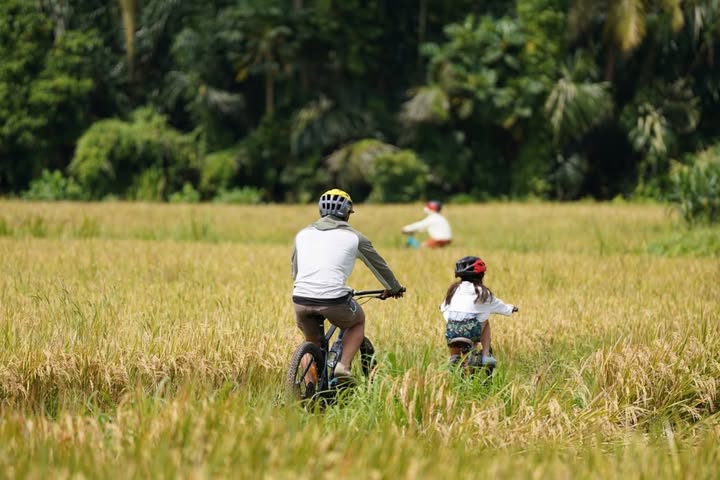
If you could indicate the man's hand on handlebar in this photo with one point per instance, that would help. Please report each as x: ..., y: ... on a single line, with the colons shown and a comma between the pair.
x: 390, y: 294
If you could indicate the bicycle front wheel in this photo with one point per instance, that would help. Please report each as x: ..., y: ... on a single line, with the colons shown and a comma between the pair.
x: 304, y: 372
x: 367, y: 356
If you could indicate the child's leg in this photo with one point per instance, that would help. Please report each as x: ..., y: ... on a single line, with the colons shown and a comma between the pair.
x: 485, y: 338
x: 454, y: 351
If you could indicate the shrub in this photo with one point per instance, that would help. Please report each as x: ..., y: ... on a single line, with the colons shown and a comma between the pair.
x: 54, y: 186
x: 462, y: 199
x: 398, y: 177
x: 244, y: 195
x: 699, y: 242
x: 143, y: 159
x: 218, y: 170
x: 187, y: 195
x: 148, y: 186
x: 695, y: 188
x: 350, y: 167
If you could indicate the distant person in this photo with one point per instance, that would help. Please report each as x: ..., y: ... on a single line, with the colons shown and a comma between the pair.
x: 323, y: 258
x: 467, y: 307
x: 435, y: 224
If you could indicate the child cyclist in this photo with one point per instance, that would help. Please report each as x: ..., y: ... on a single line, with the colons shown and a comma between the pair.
x: 468, y: 305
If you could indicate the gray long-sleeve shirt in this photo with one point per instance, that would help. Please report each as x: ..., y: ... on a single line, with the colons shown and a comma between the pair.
x: 324, y: 255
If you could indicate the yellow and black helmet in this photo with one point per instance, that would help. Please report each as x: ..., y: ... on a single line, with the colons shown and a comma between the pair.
x: 335, y: 202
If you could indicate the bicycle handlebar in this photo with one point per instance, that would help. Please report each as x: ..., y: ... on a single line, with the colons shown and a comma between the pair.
x: 357, y: 293
x: 381, y: 294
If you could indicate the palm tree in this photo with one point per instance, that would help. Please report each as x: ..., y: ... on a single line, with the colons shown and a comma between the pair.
x: 655, y: 119
x: 266, y: 48
x: 323, y: 124
x: 704, y: 23
x: 575, y: 107
x: 623, y: 21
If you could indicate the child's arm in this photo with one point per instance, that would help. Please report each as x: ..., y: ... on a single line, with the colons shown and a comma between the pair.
x: 420, y: 226
x: 498, y: 306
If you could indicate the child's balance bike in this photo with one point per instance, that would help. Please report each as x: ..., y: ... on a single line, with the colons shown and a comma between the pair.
x: 470, y: 358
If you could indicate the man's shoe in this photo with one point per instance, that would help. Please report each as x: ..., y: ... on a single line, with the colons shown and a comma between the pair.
x: 342, y: 371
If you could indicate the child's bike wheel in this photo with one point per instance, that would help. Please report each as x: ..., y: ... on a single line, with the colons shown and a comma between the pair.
x: 303, y: 373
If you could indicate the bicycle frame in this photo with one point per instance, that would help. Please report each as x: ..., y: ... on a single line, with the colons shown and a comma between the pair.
x: 332, y: 354
x: 469, y: 357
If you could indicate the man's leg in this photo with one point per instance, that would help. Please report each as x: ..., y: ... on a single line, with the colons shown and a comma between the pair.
x: 352, y: 340
x: 309, y: 322
x: 351, y: 318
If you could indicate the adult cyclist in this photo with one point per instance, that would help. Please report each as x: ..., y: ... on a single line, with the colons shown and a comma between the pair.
x: 323, y: 258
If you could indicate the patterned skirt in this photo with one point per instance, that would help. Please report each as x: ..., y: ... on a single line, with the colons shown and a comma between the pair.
x: 470, y: 328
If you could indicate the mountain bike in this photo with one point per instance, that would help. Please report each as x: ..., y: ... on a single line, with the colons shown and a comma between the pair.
x: 311, y: 373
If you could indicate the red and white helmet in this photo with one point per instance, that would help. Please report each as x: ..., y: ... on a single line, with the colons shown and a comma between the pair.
x: 470, y: 268
x: 433, y: 206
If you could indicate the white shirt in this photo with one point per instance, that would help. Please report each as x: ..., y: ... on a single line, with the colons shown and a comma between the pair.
x: 326, y: 263
x: 324, y: 255
x: 463, y: 307
x: 435, y: 224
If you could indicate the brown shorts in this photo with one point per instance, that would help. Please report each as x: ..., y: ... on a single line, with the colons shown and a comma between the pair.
x: 344, y: 315
x: 432, y: 243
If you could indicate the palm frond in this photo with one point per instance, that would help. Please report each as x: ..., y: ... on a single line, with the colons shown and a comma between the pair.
x: 674, y: 9
x: 626, y: 23
x: 651, y: 131
x: 322, y: 124
x: 574, y: 108
x: 223, y: 101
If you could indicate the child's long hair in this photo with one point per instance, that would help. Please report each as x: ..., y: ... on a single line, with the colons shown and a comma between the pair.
x: 483, y: 293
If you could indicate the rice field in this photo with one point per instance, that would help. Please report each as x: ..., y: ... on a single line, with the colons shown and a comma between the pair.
x: 151, y: 341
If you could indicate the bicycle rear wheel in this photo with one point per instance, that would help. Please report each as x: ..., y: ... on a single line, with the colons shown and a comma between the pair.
x: 304, y: 372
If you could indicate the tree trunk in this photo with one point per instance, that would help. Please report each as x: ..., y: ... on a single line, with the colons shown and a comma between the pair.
x: 304, y: 77
x: 610, y: 64
x: 127, y: 8
x: 269, y: 94
x: 422, y: 26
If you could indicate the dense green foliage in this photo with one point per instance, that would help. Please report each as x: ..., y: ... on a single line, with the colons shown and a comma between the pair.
x: 143, y: 158
x: 558, y: 99
x: 696, y: 187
